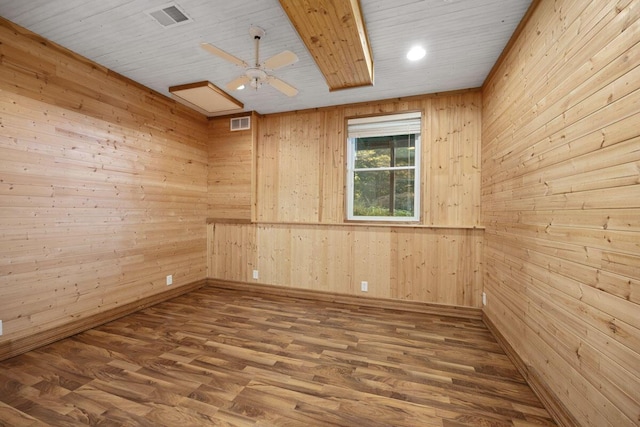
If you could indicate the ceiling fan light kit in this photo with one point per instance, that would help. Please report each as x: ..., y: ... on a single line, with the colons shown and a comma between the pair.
x: 257, y: 74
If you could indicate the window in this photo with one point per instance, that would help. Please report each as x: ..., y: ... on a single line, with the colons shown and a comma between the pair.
x: 383, y: 179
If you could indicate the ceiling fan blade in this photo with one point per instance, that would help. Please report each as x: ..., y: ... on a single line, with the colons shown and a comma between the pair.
x: 283, y: 87
x: 280, y: 60
x: 236, y: 83
x: 222, y: 54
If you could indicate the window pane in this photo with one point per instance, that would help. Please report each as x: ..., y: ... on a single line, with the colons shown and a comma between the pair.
x: 384, y: 193
x: 373, y: 152
x: 404, y: 189
x: 385, y: 151
x: 405, y: 150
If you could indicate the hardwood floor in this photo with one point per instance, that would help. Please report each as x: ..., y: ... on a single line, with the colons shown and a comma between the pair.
x: 223, y: 357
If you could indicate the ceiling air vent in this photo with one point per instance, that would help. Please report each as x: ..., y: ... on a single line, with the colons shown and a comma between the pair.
x: 241, y: 123
x: 169, y: 15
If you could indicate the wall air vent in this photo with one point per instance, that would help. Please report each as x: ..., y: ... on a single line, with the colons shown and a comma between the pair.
x: 169, y: 15
x: 241, y: 123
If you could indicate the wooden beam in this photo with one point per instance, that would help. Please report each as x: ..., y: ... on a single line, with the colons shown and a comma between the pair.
x: 335, y: 34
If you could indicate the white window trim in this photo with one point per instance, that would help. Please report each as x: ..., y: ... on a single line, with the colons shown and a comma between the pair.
x: 351, y: 152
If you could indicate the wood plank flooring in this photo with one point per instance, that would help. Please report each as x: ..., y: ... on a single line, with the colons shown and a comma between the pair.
x: 223, y: 357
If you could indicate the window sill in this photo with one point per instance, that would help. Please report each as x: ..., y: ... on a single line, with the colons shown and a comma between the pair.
x: 349, y: 224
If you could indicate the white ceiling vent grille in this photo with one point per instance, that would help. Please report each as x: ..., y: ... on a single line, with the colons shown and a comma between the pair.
x: 169, y: 15
x: 241, y: 123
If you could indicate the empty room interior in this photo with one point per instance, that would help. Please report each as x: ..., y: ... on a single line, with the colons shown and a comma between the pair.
x: 320, y: 212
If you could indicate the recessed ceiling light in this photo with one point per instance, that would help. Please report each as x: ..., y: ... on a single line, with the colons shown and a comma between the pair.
x: 416, y: 53
x: 240, y: 87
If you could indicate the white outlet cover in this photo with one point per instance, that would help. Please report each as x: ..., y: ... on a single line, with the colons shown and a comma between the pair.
x: 1, y: 327
x: 484, y: 298
x: 364, y: 286
x: 255, y: 274
x: 169, y: 279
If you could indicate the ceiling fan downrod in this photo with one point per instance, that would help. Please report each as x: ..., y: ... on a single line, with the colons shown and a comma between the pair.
x: 257, y: 33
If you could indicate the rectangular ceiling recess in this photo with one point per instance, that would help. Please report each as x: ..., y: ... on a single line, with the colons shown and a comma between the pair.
x: 335, y: 34
x: 206, y: 98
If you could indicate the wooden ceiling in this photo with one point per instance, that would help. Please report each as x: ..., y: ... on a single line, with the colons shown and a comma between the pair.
x: 335, y: 34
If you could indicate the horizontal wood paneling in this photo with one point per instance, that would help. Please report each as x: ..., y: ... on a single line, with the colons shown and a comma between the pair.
x: 424, y: 265
x: 232, y: 172
x: 14, y: 347
x: 561, y: 205
x: 102, y: 190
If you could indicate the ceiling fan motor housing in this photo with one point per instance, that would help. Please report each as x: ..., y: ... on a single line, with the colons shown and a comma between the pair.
x: 256, y: 32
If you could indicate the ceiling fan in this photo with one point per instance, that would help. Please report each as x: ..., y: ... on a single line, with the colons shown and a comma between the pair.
x: 256, y: 75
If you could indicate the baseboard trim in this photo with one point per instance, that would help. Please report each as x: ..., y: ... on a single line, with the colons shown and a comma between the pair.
x: 11, y: 348
x: 384, y: 303
x: 557, y: 410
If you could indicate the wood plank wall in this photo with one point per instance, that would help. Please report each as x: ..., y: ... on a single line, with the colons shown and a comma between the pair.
x: 103, y: 188
x: 301, y: 160
x: 425, y: 265
x: 232, y: 172
x: 561, y: 204
x: 299, y: 238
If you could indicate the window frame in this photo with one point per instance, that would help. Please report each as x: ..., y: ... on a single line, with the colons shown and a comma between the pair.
x: 351, y: 169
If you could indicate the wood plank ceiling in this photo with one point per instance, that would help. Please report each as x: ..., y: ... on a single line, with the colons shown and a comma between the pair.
x: 334, y: 32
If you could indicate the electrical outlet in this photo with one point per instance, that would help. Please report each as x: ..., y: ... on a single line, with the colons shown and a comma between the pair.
x: 255, y: 274
x: 364, y: 286
x: 484, y: 298
x: 0, y: 327
x: 169, y: 280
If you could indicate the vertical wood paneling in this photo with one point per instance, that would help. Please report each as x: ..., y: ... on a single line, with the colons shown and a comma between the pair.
x: 238, y: 247
x: 102, y: 188
x: 302, y: 160
x: 274, y: 260
x: 454, y: 160
x: 332, y: 167
x: 417, y: 264
x: 289, y: 158
x: 372, y: 251
x: 300, y: 236
x: 560, y: 200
